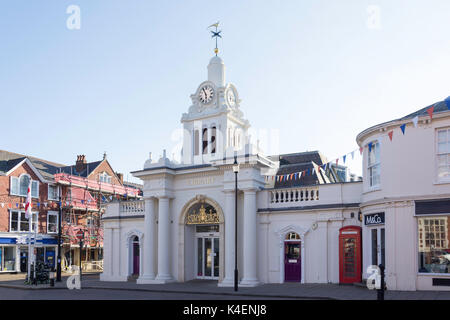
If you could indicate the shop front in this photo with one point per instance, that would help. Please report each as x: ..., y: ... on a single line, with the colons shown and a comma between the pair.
x: 374, y: 224
x: 14, y: 253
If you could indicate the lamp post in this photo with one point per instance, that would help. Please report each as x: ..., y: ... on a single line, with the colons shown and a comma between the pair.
x: 58, y: 259
x: 235, y: 170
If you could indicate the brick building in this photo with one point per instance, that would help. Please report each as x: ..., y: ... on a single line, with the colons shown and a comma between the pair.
x: 81, y: 190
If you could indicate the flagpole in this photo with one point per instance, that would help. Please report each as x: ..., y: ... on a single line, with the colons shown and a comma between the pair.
x: 29, y: 252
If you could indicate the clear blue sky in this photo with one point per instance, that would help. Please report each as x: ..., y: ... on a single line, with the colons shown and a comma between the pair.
x: 313, y: 70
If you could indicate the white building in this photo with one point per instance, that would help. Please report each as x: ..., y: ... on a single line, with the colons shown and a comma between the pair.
x: 407, y: 186
x: 185, y: 228
x: 318, y: 229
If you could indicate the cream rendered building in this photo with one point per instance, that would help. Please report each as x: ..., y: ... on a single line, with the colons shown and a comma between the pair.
x: 184, y: 228
x: 405, y: 199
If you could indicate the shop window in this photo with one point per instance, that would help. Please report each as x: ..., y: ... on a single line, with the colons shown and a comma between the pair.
x: 8, y: 258
x: 434, y: 248
x: 373, y: 164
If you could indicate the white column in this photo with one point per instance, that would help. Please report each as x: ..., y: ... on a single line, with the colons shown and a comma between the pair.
x: 149, y: 246
x: 228, y: 281
x: 163, y: 241
x: 249, y: 239
x: 108, y: 251
x: 116, y: 253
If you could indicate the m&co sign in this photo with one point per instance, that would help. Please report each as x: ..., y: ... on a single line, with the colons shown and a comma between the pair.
x: 374, y: 218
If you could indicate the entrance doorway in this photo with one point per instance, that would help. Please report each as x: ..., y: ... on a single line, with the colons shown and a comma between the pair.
x: 136, y: 255
x: 292, y: 258
x: 378, y: 243
x: 207, y: 251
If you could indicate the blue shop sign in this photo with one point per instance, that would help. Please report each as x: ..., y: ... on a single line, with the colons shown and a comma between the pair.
x: 374, y: 219
x: 7, y: 240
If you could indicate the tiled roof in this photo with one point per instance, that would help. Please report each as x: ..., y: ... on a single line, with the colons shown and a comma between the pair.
x: 295, y: 162
x: 90, y: 166
x: 438, y: 107
x: 9, y: 160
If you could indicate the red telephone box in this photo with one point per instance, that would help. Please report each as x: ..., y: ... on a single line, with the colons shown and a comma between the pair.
x: 350, y: 254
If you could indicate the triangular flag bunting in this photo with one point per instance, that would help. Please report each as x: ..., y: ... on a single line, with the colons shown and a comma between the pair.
x: 430, y: 112
x: 403, y: 126
x: 344, y: 158
x: 353, y: 155
x: 361, y: 150
x: 370, y: 146
x: 415, y: 121
x: 390, y: 133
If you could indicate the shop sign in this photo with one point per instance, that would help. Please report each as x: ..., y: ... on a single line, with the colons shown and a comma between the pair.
x: 374, y: 218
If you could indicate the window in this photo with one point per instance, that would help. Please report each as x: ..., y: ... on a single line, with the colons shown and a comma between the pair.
x: 7, y: 258
x: 213, y: 140
x: 205, y: 140
x: 53, y: 192
x: 434, y: 248
x: 19, y: 223
x: 443, y: 154
x: 104, y: 177
x: 373, y: 164
x: 52, y: 222
x: 19, y: 186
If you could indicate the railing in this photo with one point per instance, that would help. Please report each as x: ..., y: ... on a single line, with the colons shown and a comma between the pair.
x: 136, y: 206
x: 294, y: 195
x: 92, y: 265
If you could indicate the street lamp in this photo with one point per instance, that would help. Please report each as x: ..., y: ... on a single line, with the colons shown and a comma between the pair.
x: 58, y: 259
x: 235, y: 170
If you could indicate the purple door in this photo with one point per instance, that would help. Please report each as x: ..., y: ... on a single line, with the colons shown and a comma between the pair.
x: 292, y: 262
x: 136, y: 255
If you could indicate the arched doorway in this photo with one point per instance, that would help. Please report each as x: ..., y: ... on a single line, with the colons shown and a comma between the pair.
x: 201, y: 249
x: 292, y: 258
x: 135, y: 256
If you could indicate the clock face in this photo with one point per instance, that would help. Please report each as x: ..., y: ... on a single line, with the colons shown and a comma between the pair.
x: 231, y: 98
x: 206, y: 94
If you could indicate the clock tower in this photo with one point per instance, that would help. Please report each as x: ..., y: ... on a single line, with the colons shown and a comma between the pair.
x: 214, y: 124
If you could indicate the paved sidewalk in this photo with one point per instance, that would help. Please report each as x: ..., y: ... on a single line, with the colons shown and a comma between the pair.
x: 286, y: 290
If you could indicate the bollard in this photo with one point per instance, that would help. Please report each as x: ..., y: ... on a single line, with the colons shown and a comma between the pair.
x: 52, y: 282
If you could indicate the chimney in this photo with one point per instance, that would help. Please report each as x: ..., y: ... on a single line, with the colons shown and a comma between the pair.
x: 120, y: 176
x: 80, y: 165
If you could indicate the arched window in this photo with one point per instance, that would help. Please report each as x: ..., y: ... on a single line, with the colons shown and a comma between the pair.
x: 205, y: 140
x: 202, y: 213
x: 213, y: 139
x: 292, y: 236
x: 104, y: 177
x: 24, y: 182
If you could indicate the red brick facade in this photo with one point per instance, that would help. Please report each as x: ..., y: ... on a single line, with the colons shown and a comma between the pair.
x: 10, y: 202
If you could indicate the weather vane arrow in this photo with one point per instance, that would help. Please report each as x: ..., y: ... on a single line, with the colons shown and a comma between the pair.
x: 215, y: 34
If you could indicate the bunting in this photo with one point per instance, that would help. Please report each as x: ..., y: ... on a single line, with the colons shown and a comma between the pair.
x: 298, y: 175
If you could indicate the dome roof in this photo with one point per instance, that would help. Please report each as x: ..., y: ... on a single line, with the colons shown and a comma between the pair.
x: 216, y: 60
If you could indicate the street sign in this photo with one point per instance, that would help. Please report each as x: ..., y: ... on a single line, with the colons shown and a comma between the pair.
x: 80, y: 235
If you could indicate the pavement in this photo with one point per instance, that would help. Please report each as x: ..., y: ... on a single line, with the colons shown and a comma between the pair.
x: 209, y: 289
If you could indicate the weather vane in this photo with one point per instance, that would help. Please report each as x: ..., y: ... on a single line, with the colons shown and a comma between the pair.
x: 216, y: 34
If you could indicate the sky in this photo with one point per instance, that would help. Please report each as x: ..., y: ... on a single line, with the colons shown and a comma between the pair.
x: 314, y: 73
